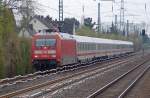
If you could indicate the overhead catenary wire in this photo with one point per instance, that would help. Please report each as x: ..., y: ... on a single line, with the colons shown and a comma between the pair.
x: 56, y: 10
x: 116, y: 5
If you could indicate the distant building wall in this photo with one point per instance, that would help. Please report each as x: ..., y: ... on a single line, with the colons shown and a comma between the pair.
x: 37, y: 25
x: 24, y: 33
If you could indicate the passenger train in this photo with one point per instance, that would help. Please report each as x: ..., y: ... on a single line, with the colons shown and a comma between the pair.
x: 58, y: 49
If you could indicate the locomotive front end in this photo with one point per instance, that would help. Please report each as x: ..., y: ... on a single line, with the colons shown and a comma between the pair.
x: 44, y: 53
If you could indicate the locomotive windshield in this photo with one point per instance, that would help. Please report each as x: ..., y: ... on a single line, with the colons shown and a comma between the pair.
x: 45, y: 42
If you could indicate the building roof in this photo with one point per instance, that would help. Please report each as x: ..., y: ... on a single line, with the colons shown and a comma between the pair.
x: 31, y: 31
x: 47, y: 21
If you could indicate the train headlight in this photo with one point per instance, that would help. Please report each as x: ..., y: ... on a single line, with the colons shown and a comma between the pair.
x: 36, y: 56
x: 53, y: 56
x: 37, y: 52
x: 51, y: 51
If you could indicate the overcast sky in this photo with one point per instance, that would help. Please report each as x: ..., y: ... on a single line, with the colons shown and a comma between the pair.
x: 134, y: 9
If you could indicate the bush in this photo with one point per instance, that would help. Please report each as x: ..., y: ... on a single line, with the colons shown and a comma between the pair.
x: 25, y: 57
x: 14, y: 51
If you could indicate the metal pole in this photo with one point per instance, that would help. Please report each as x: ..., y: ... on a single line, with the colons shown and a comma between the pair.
x: 60, y: 15
x: 122, y: 18
x: 99, y: 18
x: 116, y: 23
x: 60, y: 10
x: 127, y: 28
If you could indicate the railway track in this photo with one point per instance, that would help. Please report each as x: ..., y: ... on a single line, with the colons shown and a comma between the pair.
x: 65, y: 68
x: 82, y: 90
x: 60, y: 81
x: 120, y: 86
x: 8, y: 81
x: 51, y: 82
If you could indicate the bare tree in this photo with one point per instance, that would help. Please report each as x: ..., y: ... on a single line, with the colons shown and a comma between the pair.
x: 25, y: 9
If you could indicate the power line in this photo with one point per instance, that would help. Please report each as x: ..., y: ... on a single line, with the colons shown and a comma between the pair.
x: 56, y: 10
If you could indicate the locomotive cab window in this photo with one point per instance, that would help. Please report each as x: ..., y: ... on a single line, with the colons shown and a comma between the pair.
x: 45, y: 42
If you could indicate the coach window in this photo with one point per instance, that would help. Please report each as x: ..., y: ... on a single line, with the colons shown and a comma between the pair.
x: 116, y: 47
x: 128, y: 46
x: 78, y: 46
x: 94, y: 46
x: 83, y: 46
x: 89, y: 46
x: 101, y: 46
x: 108, y: 47
x: 98, y: 46
x: 104, y: 47
x: 86, y: 46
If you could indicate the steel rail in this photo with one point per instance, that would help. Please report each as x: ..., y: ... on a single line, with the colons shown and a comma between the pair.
x: 122, y: 95
x: 48, y: 83
x: 18, y: 78
x: 114, y: 81
x: 45, y: 91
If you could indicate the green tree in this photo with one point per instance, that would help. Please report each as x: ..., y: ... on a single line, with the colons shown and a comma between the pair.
x: 89, y: 22
x: 14, y: 52
x: 9, y: 45
x: 1, y: 52
x: 68, y: 25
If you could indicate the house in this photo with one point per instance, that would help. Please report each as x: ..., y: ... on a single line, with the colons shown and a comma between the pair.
x: 36, y: 24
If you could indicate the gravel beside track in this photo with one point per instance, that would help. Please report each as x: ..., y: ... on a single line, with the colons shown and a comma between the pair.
x: 41, y: 79
x: 118, y: 87
x: 55, y: 76
x: 83, y: 88
x: 31, y: 76
x: 141, y: 89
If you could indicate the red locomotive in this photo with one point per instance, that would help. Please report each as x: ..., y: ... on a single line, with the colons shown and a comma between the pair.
x: 58, y: 49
